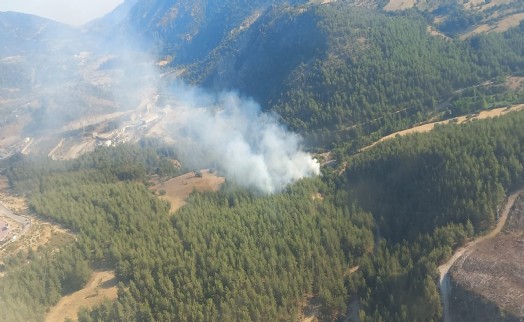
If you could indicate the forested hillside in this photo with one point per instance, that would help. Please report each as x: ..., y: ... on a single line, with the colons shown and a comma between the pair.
x: 428, y: 194
x: 363, y: 239
x: 235, y: 256
x: 229, y: 256
x: 336, y: 72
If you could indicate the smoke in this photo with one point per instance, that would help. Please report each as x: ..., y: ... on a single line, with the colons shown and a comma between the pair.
x: 230, y: 133
x: 84, y: 75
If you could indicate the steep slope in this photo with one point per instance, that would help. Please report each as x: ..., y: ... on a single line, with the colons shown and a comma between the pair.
x: 333, y: 70
x: 343, y: 68
x: 189, y: 30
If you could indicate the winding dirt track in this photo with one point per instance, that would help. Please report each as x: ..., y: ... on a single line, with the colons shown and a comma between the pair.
x: 468, y: 248
x: 459, y: 120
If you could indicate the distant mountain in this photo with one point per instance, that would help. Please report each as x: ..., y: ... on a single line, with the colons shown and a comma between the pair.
x: 27, y: 34
x: 103, y: 32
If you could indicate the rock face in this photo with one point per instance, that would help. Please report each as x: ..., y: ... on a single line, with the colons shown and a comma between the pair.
x: 488, y: 284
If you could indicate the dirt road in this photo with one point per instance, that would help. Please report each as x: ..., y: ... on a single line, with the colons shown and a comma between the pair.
x: 23, y: 221
x: 468, y: 248
x: 460, y: 119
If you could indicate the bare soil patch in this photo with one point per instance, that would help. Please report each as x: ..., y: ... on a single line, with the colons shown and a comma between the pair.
x: 46, y: 234
x: 493, y: 3
x: 434, y: 32
x: 399, y: 5
x: 77, y: 149
x: 509, y: 22
x: 515, y: 83
x: 500, y: 26
x: 101, y: 286
x: 178, y: 189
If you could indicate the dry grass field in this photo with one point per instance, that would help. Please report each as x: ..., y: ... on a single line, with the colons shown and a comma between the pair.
x: 178, y: 189
x: 101, y: 286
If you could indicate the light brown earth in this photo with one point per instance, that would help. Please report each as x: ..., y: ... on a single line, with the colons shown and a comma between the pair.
x: 500, y: 26
x: 179, y: 188
x: 492, y: 3
x: 515, y: 83
x: 101, y: 286
x: 399, y: 5
x: 461, y: 119
x: 434, y: 32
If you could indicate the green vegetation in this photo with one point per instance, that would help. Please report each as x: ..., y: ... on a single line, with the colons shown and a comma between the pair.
x: 341, y: 74
x: 429, y: 193
x: 235, y: 256
x: 227, y: 256
x: 384, y: 72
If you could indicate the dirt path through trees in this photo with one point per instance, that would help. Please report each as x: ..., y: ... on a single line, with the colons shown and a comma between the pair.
x: 444, y: 268
x: 460, y: 119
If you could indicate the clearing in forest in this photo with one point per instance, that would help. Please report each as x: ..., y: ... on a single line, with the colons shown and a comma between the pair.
x: 101, y: 286
x: 178, y: 189
x: 399, y: 5
x: 515, y: 83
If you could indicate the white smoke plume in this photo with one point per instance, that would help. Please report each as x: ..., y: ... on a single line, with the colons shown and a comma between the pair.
x: 230, y: 133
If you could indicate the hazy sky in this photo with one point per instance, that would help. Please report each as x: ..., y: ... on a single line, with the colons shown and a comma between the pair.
x: 72, y: 12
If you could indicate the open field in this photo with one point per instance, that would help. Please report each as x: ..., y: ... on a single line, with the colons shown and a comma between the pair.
x: 399, y: 5
x: 101, y: 286
x: 178, y: 189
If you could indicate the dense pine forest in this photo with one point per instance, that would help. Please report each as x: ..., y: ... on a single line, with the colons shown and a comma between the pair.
x: 364, y: 239
x: 236, y: 256
x: 336, y: 73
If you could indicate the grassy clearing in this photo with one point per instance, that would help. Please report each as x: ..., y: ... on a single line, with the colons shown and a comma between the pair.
x: 178, y: 189
x: 101, y: 286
